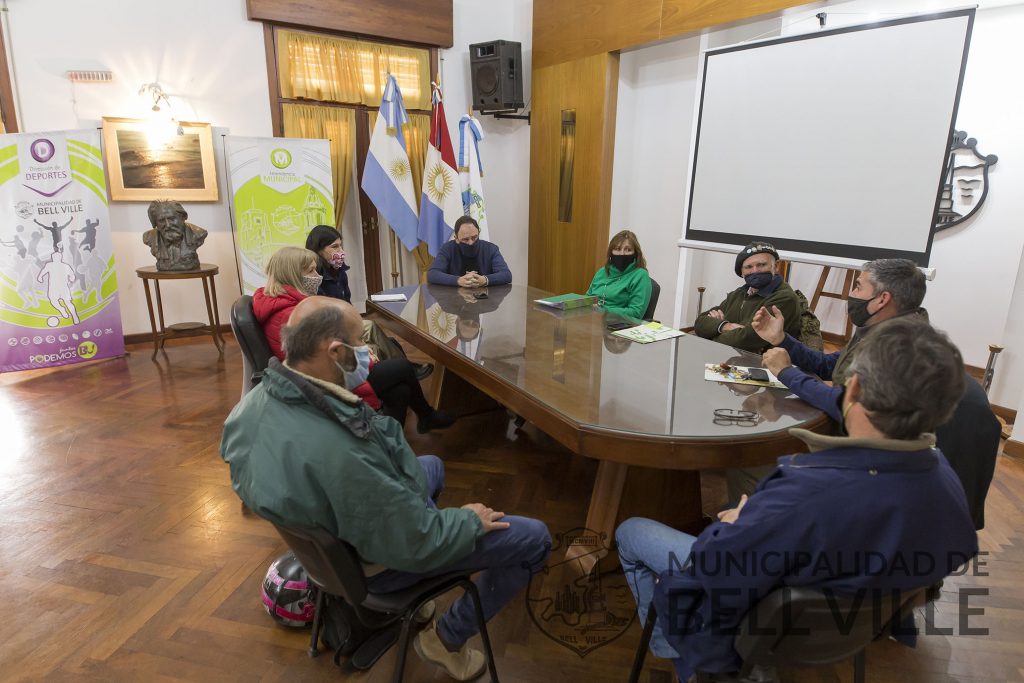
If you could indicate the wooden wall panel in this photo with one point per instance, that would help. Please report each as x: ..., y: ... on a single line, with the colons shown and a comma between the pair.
x: 565, y: 30
x: 564, y: 256
x: 684, y: 16
x: 428, y: 22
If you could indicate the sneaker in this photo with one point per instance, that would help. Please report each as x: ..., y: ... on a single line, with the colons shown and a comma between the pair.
x: 425, y: 613
x: 422, y: 370
x: 464, y: 665
x: 439, y: 419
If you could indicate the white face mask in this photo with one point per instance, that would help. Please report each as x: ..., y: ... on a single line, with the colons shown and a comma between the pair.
x: 355, y: 377
x: 311, y: 284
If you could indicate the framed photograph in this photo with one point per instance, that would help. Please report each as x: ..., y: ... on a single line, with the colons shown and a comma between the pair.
x: 149, y: 160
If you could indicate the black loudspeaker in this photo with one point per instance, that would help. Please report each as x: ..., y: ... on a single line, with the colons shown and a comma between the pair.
x: 497, y: 72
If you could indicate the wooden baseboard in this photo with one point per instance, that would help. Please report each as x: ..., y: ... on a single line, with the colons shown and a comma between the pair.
x: 147, y: 337
x: 834, y: 338
x: 1014, y: 449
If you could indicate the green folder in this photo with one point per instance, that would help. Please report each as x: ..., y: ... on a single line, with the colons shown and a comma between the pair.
x: 568, y: 302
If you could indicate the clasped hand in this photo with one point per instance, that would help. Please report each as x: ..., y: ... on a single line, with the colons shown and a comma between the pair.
x: 472, y: 279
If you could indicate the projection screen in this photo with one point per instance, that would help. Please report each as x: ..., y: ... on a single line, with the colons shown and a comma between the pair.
x: 832, y: 143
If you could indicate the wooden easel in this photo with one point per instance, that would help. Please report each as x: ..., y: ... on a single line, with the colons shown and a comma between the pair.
x: 843, y: 295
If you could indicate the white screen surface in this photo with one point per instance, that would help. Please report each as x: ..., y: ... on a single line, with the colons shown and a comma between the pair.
x: 833, y: 143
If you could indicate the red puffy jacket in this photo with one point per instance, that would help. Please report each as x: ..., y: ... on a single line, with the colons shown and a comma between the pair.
x: 272, y: 312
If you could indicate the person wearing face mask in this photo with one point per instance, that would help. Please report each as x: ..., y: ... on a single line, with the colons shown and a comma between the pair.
x: 325, y: 242
x: 622, y: 285
x: 467, y: 260
x: 390, y: 385
x: 729, y: 322
x: 305, y: 452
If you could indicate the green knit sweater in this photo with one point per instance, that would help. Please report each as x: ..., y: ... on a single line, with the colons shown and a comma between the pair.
x: 626, y: 292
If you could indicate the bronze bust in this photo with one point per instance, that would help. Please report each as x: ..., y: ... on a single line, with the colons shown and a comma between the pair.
x: 173, y: 241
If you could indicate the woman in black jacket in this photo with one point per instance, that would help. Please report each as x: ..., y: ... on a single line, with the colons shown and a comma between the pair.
x: 325, y: 242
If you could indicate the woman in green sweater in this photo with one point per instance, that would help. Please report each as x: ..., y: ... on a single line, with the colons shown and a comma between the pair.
x: 623, y: 286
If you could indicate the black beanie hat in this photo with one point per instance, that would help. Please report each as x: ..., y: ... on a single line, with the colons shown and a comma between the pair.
x: 751, y: 249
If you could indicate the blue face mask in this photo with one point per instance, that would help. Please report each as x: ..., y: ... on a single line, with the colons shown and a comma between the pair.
x: 759, y: 280
x: 358, y: 375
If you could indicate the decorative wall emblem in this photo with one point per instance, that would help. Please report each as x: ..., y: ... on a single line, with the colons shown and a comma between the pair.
x: 965, y: 182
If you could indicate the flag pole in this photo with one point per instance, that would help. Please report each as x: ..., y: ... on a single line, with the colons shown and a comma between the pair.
x: 394, y: 259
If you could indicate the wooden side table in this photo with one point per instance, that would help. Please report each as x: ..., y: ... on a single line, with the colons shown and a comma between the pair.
x: 206, y: 271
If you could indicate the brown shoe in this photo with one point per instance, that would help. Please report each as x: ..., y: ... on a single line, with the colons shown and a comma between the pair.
x: 464, y: 665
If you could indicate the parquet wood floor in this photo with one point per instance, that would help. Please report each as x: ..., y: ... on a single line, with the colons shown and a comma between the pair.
x: 125, y: 555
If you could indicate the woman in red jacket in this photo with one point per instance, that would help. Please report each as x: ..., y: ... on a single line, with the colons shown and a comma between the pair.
x: 391, y: 387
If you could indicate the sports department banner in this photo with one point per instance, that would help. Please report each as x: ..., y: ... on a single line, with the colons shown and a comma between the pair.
x: 58, y: 288
x: 281, y: 188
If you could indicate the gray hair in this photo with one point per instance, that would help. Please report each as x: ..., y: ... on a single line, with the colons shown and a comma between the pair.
x: 901, y: 278
x: 301, y: 341
x: 911, y: 377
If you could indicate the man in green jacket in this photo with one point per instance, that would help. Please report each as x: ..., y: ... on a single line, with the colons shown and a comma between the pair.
x: 729, y: 321
x: 306, y: 452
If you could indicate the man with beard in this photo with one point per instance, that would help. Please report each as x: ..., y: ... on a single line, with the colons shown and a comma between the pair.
x: 173, y: 241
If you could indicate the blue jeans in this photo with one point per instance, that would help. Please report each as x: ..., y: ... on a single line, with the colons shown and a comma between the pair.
x: 505, y: 558
x: 646, y: 548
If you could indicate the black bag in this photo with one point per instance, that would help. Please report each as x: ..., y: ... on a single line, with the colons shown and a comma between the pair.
x: 341, y: 631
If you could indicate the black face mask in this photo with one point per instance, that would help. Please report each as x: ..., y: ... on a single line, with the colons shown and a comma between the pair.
x: 469, y: 250
x: 622, y: 261
x: 857, y: 310
x: 759, y: 280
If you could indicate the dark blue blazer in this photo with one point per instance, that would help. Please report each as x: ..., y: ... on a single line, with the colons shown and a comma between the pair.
x: 847, y: 518
x: 447, y: 266
x: 335, y: 283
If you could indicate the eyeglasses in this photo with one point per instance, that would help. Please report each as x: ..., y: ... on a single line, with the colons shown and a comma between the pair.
x: 727, y: 417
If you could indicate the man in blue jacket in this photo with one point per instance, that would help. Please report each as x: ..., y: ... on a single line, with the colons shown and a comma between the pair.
x: 469, y: 261
x: 878, y: 510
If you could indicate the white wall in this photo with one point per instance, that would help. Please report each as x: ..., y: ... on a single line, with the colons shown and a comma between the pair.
x: 207, y: 56
x: 505, y: 149
x: 974, y: 297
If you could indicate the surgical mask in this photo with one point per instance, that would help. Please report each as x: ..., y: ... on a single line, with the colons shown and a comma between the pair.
x: 469, y: 250
x: 355, y: 377
x: 311, y: 284
x: 338, y: 259
x: 622, y: 261
x: 758, y: 280
x: 857, y: 310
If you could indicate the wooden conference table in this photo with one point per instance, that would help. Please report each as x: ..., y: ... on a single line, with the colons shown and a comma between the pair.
x: 644, y: 411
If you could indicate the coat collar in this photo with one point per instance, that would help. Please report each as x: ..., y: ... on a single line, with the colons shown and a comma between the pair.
x: 844, y: 452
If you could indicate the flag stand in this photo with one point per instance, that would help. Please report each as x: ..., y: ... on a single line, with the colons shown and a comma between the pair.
x: 394, y: 258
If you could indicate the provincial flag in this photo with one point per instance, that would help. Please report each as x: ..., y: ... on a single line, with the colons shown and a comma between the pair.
x: 471, y: 172
x: 441, y: 200
x: 387, y: 175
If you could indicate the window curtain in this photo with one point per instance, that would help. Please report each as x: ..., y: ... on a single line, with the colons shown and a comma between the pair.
x: 416, y: 132
x: 336, y: 124
x: 331, y: 69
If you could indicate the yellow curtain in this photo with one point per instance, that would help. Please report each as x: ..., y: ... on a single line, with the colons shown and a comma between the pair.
x: 336, y: 124
x: 331, y: 69
x: 416, y: 132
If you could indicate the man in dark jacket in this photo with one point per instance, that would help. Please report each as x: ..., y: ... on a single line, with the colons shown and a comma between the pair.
x: 469, y: 261
x: 305, y: 451
x: 879, y: 511
x: 885, y: 289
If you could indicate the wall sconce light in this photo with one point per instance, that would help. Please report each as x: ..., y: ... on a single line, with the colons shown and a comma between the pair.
x: 155, y: 91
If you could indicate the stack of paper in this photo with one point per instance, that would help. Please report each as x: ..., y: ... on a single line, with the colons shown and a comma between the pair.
x: 649, y: 332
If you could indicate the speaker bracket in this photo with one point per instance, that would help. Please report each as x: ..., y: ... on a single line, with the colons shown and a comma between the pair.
x: 505, y: 114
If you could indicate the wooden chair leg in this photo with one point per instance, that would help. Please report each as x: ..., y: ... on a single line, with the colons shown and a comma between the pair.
x: 645, y: 641
x: 858, y: 667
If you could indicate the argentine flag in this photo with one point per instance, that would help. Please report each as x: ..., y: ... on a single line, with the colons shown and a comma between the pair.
x: 471, y: 172
x: 441, y: 201
x: 387, y: 175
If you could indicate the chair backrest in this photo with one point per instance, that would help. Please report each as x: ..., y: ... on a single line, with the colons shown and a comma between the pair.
x: 655, y: 293
x: 332, y: 563
x: 256, y: 353
x: 807, y: 627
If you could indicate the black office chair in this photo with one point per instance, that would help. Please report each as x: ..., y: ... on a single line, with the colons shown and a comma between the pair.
x: 334, y: 568
x: 806, y: 627
x: 655, y: 293
x: 256, y: 353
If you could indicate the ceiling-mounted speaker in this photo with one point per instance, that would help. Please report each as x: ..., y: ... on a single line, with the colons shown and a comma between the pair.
x: 496, y: 69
